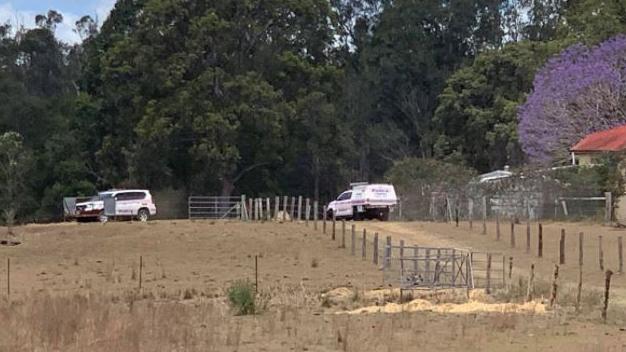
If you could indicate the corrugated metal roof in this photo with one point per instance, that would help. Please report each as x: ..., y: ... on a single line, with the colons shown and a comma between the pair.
x: 611, y: 140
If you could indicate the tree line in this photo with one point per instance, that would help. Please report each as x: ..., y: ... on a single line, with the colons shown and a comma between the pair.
x: 273, y: 96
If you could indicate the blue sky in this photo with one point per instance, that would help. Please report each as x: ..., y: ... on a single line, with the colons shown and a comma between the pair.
x: 23, y: 12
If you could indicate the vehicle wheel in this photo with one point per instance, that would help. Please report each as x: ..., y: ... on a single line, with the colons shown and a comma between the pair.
x: 329, y: 214
x: 355, y: 214
x: 143, y: 215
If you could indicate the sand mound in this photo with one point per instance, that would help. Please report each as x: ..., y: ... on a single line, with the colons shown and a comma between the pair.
x: 469, y: 307
x: 339, y: 295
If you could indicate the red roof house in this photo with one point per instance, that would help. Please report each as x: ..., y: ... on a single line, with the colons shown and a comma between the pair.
x: 611, y: 140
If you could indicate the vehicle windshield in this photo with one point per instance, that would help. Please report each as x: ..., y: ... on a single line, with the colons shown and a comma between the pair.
x: 103, y: 196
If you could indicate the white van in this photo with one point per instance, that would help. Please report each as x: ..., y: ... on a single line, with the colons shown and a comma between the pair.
x: 364, y: 201
x: 129, y: 203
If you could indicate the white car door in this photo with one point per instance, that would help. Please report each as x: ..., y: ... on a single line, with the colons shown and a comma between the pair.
x: 122, y: 203
x: 344, y: 204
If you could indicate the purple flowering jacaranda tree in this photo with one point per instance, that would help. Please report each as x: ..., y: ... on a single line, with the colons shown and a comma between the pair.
x: 579, y: 91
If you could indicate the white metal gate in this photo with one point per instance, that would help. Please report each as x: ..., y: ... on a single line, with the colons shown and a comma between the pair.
x: 214, y: 207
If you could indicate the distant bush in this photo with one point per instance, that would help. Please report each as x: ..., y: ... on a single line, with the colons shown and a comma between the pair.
x: 242, y: 298
x: 414, y: 173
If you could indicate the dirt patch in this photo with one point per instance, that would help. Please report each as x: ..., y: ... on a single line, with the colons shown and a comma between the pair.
x: 418, y: 305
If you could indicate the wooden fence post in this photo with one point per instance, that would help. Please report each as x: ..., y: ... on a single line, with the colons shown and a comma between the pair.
x: 256, y: 209
x: 375, y: 250
x: 243, y: 208
x: 553, y: 293
x: 453, y: 271
x: 269, y: 209
x: 427, y: 264
x: 315, y: 214
x: 364, y: 245
x: 324, y: 219
x: 250, y: 209
x: 8, y: 278
x: 607, y: 288
x: 512, y: 233
x: 307, y: 212
x: 293, y: 207
x: 402, y: 257
x: 531, y: 284
x: 581, y: 238
x: 352, y: 244
x: 343, y: 233
x: 580, y: 285
x: 600, y: 253
x: 285, y: 200
x: 415, y: 255
x: 388, y: 251
x: 620, y: 254
x: 488, y: 288
x: 540, y: 241
x: 497, y: 227
x: 334, y: 229
x: 562, y: 248
x: 510, y: 269
x: 299, y: 208
x: 484, y: 215
x: 528, y: 236
x: 140, y: 270
x: 276, y: 207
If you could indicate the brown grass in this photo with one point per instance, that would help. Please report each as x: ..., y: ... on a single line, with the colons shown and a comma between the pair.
x: 74, y: 290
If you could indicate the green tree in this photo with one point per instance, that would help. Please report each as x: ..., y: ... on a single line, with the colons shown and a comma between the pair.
x: 14, y: 165
x: 593, y: 21
x: 477, y: 113
x: 402, y: 67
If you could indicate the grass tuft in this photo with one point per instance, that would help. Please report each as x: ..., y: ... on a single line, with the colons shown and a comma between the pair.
x: 242, y: 298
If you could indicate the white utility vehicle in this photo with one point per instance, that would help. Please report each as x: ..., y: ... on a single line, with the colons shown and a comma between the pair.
x: 130, y: 203
x: 364, y: 201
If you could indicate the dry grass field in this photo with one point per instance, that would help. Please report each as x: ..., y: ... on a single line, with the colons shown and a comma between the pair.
x: 75, y: 287
x: 448, y: 235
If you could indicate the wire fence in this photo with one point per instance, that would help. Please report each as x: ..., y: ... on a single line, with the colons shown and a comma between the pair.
x: 442, y: 206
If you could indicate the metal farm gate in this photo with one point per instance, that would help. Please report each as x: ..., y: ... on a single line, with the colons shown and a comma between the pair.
x: 415, y: 267
x: 214, y: 207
